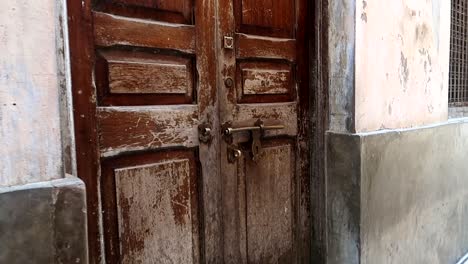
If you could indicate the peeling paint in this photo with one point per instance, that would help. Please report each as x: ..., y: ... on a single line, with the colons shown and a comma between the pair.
x: 402, y: 62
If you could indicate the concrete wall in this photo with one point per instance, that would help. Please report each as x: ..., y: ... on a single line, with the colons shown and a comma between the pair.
x: 398, y: 196
x: 31, y: 76
x: 393, y: 195
x: 44, y: 223
x: 341, y: 42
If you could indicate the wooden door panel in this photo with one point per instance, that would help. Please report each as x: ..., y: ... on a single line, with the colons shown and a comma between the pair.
x: 144, y: 81
x: 133, y: 77
x: 263, y: 82
x: 152, y: 207
x: 271, y: 114
x: 252, y: 46
x: 265, y: 17
x: 151, y: 75
x: 174, y: 11
x: 267, y: 203
x: 124, y: 129
x: 112, y: 30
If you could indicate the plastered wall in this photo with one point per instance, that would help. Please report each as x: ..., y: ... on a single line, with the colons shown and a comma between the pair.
x: 389, y: 63
x: 30, y: 124
x: 341, y: 47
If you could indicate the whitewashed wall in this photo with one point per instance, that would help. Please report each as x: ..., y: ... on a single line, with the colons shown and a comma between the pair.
x: 30, y: 77
x: 400, y: 53
x: 402, y: 63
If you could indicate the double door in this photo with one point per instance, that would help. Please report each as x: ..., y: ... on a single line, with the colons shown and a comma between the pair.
x: 191, y: 126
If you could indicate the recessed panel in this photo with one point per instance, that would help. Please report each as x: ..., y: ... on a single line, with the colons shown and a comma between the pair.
x: 269, y: 206
x: 151, y: 208
x: 155, y: 212
x: 168, y: 79
x: 153, y: 76
x: 260, y: 82
x: 265, y: 17
x: 176, y: 11
x: 127, y: 129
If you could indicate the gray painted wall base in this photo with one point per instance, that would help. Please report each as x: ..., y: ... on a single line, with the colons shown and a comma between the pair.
x: 44, y: 223
x: 398, y: 196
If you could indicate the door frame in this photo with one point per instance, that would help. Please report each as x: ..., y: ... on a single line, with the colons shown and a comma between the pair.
x: 86, y: 136
x: 319, y: 124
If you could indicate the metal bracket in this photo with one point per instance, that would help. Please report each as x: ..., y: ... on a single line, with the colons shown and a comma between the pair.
x: 228, y: 42
x: 204, y: 133
x: 257, y: 132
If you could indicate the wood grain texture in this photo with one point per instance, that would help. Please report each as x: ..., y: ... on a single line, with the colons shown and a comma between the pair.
x: 139, y: 73
x: 111, y: 30
x: 267, y: 191
x: 155, y: 213
x: 260, y: 40
x: 84, y: 113
x: 150, y: 204
x: 264, y: 82
x: 176, y: 6
x: 125, y: 129
x: 265, y: 17
x: 316, y: 34
x: 129, y: 77
x: 271, y: 114
x: 261, y: 81
x: 176, y: 11
x: 249, y: 46
x: 140, y: 133
x: 206, y: 18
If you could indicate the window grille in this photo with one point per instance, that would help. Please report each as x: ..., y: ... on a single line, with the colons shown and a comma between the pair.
x: 458, y: 74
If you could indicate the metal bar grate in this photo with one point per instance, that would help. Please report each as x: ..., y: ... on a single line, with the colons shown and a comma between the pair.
x: 458, y: 75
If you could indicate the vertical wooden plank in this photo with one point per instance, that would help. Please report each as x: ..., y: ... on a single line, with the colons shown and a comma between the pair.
x: 206, y: 40
x: 270, y: 204
x: 227, y: 69
x: 84, y: 105
x: 317, y: 36
x: 303, y: 138
x: 157, y: 205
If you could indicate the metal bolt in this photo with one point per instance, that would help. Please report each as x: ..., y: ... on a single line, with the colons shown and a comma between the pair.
x: 229, y: 82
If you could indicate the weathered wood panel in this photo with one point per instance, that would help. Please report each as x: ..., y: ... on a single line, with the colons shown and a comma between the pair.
x: 263, y: 82
x: 178, y: 6
x: 250, y: 46
x: 124, y: 129
x: 150, y: 207
x: 260, y: 81
x: 265, y: 17
x: 111, y: 30
x: 132, y: 78
x: 155, y: 205
x: 272, y: 114
x: 146, y: 73
x: 172, y: 11
x: 267, y: 204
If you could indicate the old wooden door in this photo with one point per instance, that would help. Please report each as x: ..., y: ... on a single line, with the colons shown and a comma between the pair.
x: 263, y: 78
x: 155, y: 84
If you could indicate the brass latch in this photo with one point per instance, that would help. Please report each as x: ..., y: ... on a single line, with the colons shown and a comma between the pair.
x: 257, y: 132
